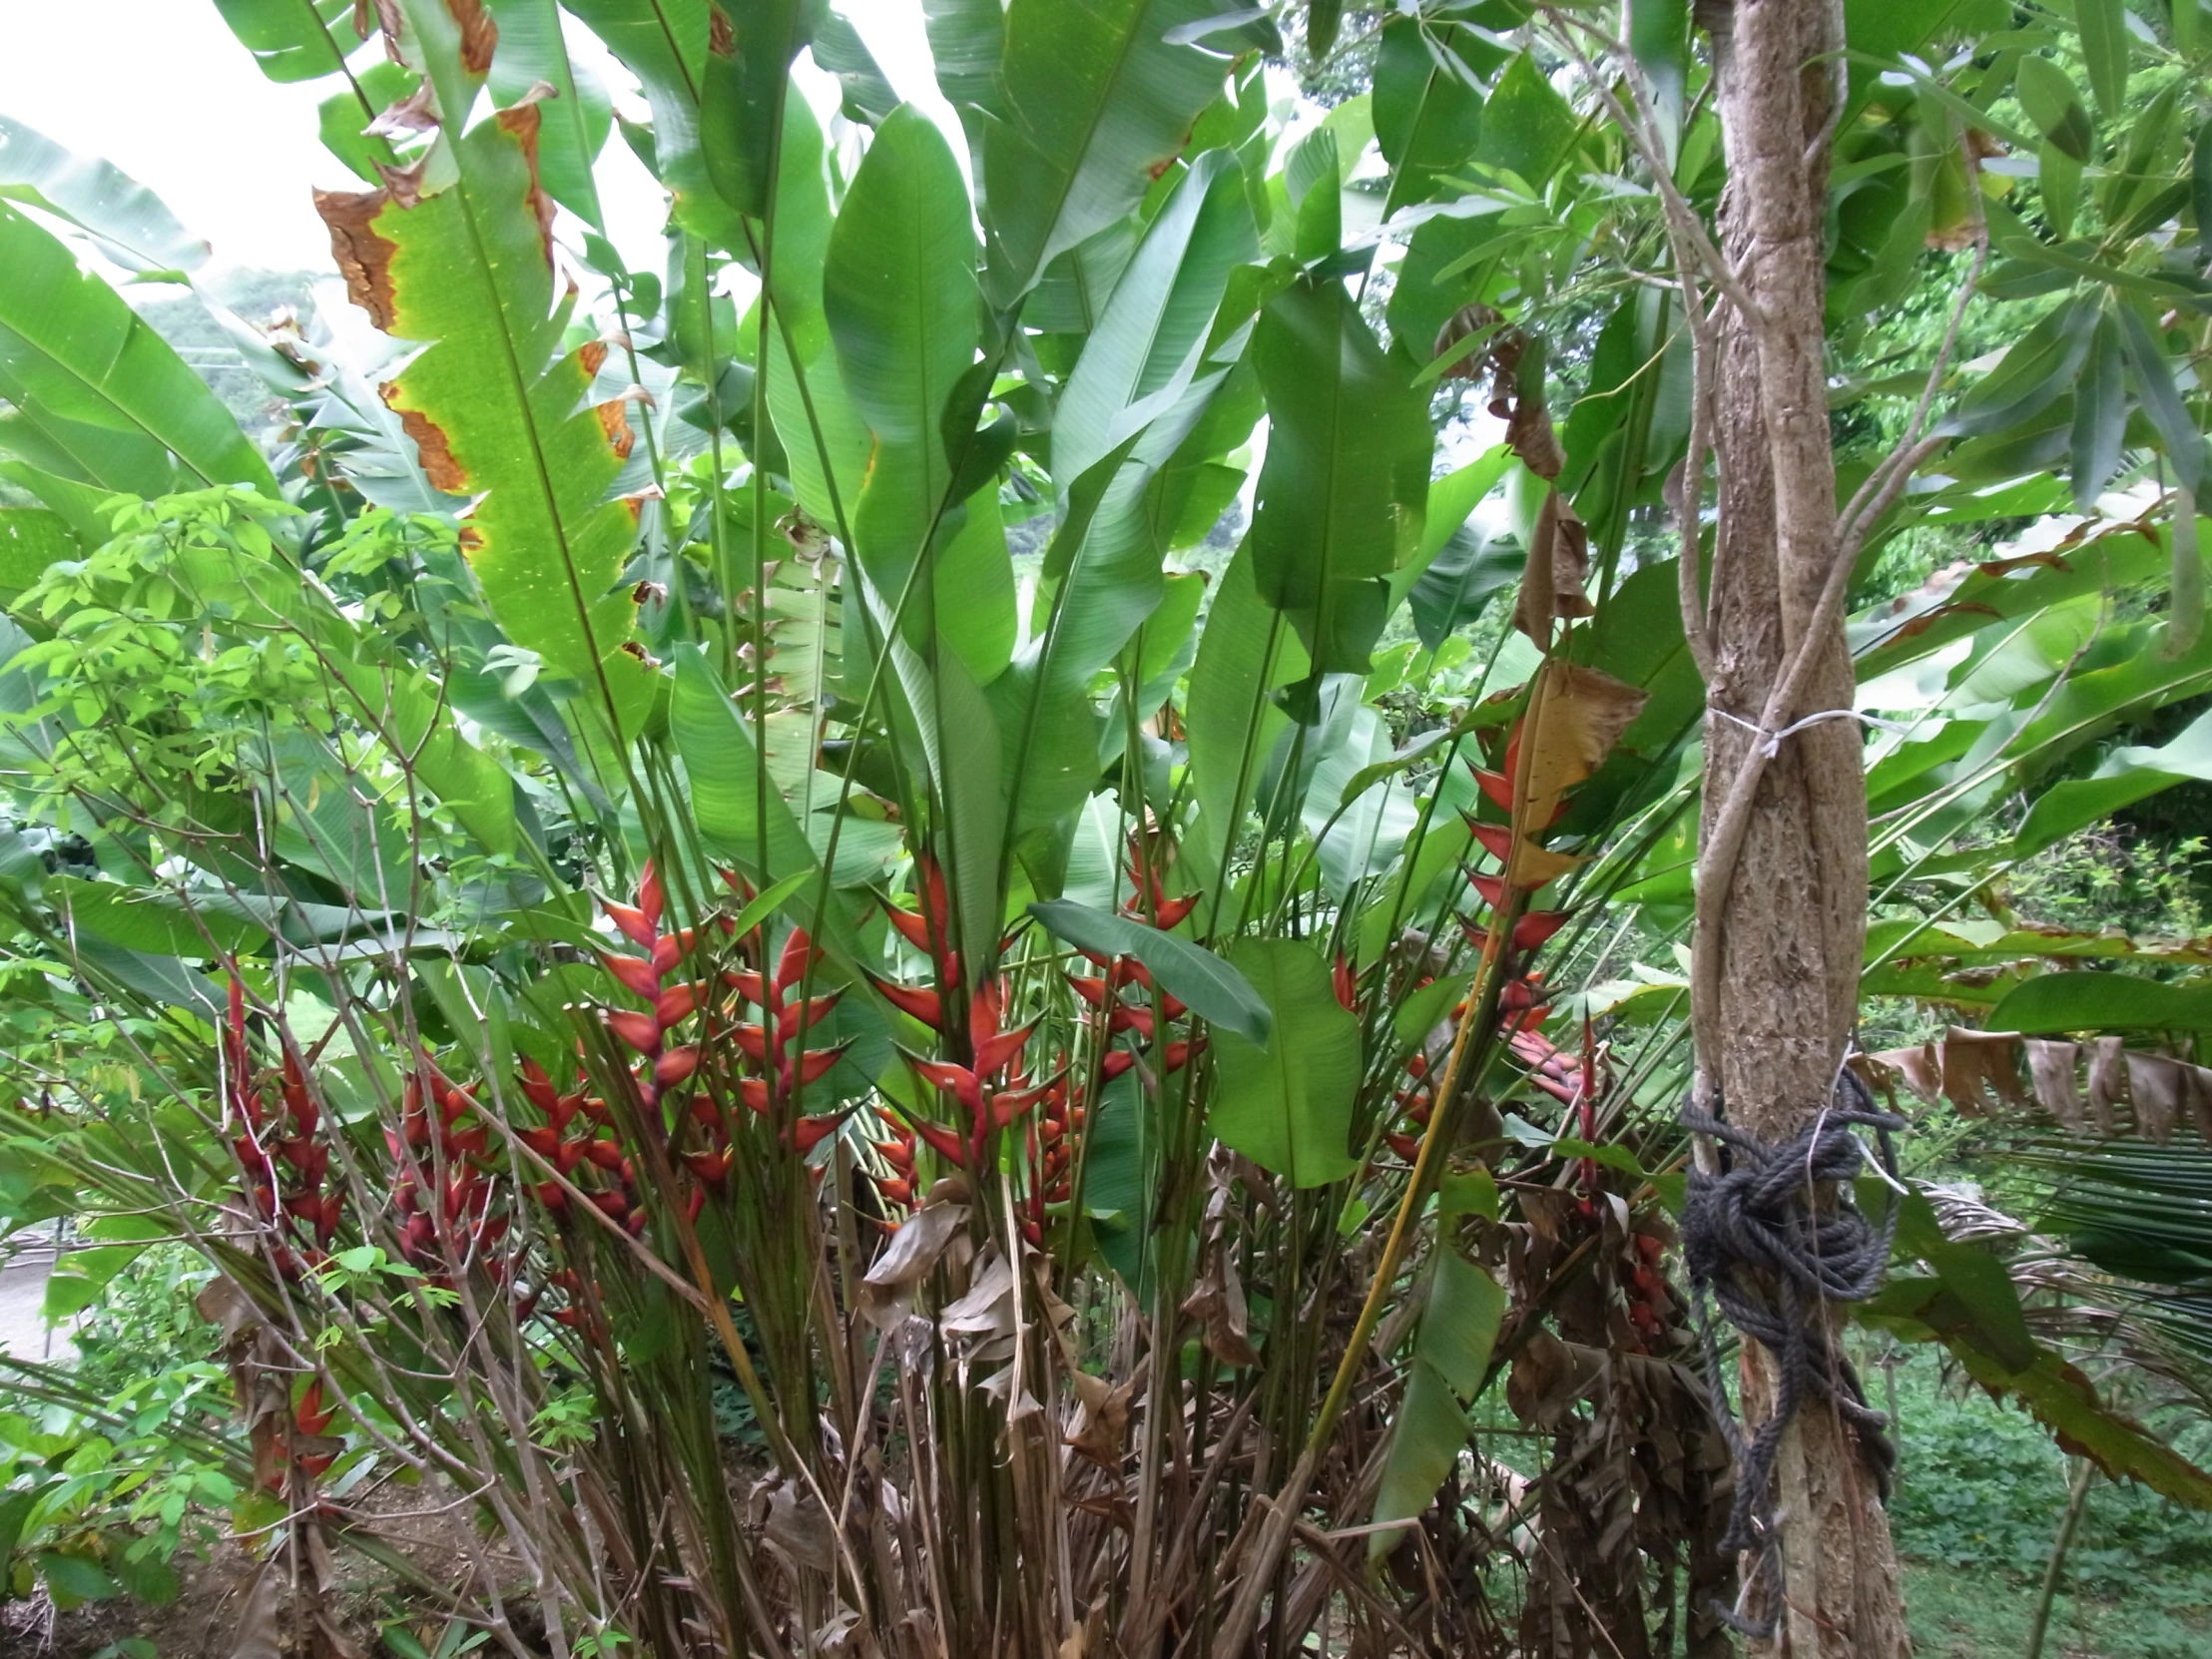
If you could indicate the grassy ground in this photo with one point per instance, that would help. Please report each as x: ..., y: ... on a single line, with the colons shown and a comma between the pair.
x: 1980, y: 1499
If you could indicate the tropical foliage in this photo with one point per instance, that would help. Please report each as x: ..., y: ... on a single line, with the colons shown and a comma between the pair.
x: 711, y: 843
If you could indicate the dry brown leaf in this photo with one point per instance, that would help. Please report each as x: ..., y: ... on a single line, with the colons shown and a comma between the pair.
x: 1217, y: 1301
x: 1558, y: 565
x: 363, y: 258
x: 886, y: 1293
x: 1103, y: 1434
x: 1921, y: 1071
x: 257, y: 1633
x: 2156, y: 1085
x: 1575, y: 716
x: 2108, y: 1083
x: 1981, y: 1070
x: 2050, y: 1067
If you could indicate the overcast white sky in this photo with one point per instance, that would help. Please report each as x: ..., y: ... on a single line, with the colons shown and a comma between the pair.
x: 163, y: 90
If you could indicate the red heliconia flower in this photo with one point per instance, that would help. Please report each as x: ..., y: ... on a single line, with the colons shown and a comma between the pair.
x: 636, y: 975
x: 675, y: 1005
x: 672, y: 948
x: 676, y: 1066
x: 1344, y: 979
x: 1496, y: 788
x: 897, y: 1189
x: 809, y: 1133
x: 641, y: 1031
x: 1492, y: 887
x: 634, y: 924
x: 1179, y: 1051
x: 1495, y: 838
x: 1536, y: 926
x: 924, y: 1004
x: 1170, y: 911
x: 650, y: 901
x: 1115, y: 1063
x: 1406, y: 1145
x: 538, y: 1089
x: 955, y: 1080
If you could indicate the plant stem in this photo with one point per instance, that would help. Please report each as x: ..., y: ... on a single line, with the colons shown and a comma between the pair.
x: 2076, y: 1500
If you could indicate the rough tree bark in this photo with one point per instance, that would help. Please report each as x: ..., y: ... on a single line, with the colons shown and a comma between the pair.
x: 1789, y: 929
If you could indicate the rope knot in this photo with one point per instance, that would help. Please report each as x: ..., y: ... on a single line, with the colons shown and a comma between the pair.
x: 1776, y: 1240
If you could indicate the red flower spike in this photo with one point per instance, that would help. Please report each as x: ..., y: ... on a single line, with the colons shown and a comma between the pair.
x: 899, y: 1154
x: 634, y: 924
x: 676, y: 1005
x: 1515, y: 995
x: 649, y: 900
x: 1171, y: 1008
x: 1179, y: 1052
x: 696, y: 1203
x: 1492, y: 887
x: 544, y: 1142
x: 984, y: 1010
x: 1171, y: 910
x: 897, y: 1190
x: 1496, y: 788
x: 612, y: 1205
x: 754, y: 1092
x: 1536, y: 926
x: 538, y: 1089
x: 809, y: 1133
x: 1115, y: 1063
x: 799, y: 955
x: 636, y: 975
x: 1009, y: 1104
x: 913, y: 928
x: 924, y: 1004
x: 994, y: 1054
x: 751, y: 1041
x: 1092, y: 991
x: 1406, y: 1145
x: 1138, y: 1020
x: 1346, y: 981
x: 749, y: 985
x: 957, y: 1081
x: 711, y: 1167
x: 672, y: 948
x: 813, y: 1011
x: 1496, y: 839
x: 816, y: 1063
x: 606, y: 1154
x: 641, y: 1031
x: 676, y: 1066
x: 944, y: 1142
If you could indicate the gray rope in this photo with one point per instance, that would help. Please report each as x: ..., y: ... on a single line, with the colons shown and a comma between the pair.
x: 1757, y: 1242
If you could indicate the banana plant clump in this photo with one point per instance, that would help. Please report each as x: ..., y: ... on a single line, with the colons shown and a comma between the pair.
x: 967, y: 910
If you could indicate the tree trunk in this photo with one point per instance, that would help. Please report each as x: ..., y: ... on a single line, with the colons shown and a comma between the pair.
x: 1790, y: 931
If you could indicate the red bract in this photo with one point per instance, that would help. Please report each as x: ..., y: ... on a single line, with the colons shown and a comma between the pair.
x: 636, y: 975
x: 925, y: 1005
x: 635, y: 924
x: 1344, y: 980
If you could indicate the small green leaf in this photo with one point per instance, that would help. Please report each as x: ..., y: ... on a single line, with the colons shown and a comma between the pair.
x: 2104, y: 50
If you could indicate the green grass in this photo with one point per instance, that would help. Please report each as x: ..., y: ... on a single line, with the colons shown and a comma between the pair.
x: 1980, y: 1498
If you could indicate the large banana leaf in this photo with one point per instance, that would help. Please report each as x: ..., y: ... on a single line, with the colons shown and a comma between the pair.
x: 98, y: 384
x: 1098, y: 98
x: 1346, y: 484
x: 899, y: 290
x: 496, y: 413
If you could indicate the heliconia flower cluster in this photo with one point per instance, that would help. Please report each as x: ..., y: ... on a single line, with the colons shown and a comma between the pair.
x: 445, y: 1172
x: 285, y: 1163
